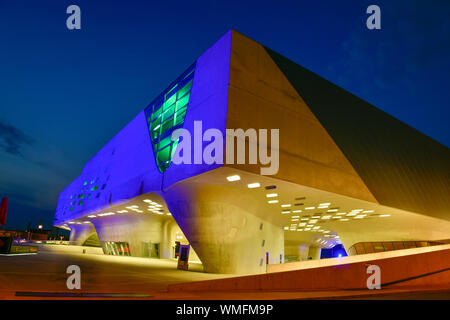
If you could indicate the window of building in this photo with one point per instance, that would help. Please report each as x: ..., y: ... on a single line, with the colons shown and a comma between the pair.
x: 166, y: 114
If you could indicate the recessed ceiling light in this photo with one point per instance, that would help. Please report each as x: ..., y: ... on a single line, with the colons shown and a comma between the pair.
x: 322, y: 207
x: 326, y: 217
x: 307, y: 229
x: 271, y: 195
x: 296, y: 211
x: 325, y: 204
x: 351, y: 214
x: 302, y: 224
x: 92, y: 216
x: 299, y: 229
x: 147, y: 200
x: 286, y: 228
x: 272, y: 201
x: 285, y: 211
x: 316, y: 217
x: 341, y: 213
x: 285, y: 205
x: 335, y: 217
x: 253, y: 185
x: 384, y: 215
x: 315, y: 228
x: 344, y: 220
x: 312, y: 220
x: 294, y: 219
x: 233, y: 178
x: 332, y: 210
x: 326, y: 231
x: 310, y: 208
x: 368, y: 211
x: 309, y: 225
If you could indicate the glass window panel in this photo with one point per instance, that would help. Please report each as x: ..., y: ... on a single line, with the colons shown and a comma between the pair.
x: 181, y: 103
x: 185, y: 89
x: 166, y: 114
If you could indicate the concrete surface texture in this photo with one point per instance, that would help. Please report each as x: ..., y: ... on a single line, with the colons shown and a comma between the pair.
x: 419, y: 268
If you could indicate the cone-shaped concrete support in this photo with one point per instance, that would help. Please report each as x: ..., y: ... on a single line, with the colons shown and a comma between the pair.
x: 227, y: 227
x: 80, y: 232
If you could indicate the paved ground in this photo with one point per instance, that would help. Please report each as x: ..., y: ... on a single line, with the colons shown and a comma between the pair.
x: 46, y: 272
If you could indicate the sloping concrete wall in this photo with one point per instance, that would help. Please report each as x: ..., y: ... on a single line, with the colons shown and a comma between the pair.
x: 426, y: 268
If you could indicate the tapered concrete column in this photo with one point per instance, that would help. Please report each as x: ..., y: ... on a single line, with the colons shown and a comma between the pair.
x: 303, y: 252
x: 227, y: 227
x: 80, y: 232
x: 166, y: 239
x: 314, y: 253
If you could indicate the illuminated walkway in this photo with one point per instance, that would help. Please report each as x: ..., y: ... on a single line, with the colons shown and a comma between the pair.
x: 46, y: 272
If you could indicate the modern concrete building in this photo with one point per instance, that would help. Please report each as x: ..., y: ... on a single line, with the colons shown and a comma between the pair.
x: 348, y: 172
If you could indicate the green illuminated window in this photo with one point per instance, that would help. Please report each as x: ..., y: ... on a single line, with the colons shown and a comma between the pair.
x: 166, y: 114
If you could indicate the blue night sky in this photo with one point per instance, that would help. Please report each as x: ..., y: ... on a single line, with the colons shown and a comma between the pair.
x: 65, y: 93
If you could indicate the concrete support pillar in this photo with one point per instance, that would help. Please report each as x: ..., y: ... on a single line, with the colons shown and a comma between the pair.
x: 228, y: 229
x: 303, y: 252
x: 80, y: 232
x: 314, y: 253
x: 166, y: 240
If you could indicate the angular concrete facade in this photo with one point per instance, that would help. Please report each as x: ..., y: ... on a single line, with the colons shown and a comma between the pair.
x: 348, y: 172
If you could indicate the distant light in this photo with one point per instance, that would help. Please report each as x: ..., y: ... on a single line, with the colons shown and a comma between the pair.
x: 271, y: 195
x: 233, y: 178
x: 253, y: 185
x: 40, y: 226
x: 169, y: 214
x: 340, y: 255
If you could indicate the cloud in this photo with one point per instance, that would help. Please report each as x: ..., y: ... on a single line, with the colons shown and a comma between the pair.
x: 13, y: 140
